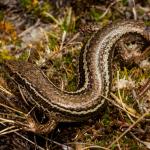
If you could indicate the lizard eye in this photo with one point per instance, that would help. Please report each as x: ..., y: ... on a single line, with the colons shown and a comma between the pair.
x: 40, y: 122
x: 41, y: 116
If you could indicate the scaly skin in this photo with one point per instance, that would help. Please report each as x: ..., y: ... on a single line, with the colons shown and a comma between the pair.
x: 97, y: 57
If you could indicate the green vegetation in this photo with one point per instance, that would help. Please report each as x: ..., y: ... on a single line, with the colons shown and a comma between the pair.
x: 60, y: 33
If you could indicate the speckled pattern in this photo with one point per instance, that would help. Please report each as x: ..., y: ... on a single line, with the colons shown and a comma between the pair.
x: 97, y: 57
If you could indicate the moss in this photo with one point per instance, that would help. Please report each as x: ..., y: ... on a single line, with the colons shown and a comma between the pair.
x: 106, y: 119
x: 5, y: 55
x: 125, y: 2
x: 1, y: 15
x: 95, y: 15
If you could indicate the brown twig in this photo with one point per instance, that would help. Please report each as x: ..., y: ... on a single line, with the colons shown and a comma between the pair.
x: 130, y: 127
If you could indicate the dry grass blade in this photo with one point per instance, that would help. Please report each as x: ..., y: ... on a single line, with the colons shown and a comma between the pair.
x: 132, y: 5
x: 6, y: 120
x: 13, y: 121
x: 115, y: 104
x: 95, y: 147
x: 147, y: 144
x: 12, y: 115
x: 125, y: 107
x: 108, y: 8
x: 29, y: 29
x: 35, y: 144
x: 64, y: 35
x: 10, y: 108
x: 130, y: 127
x: 8, y: 130
x: 63, y: 146
x: 52, y: 17
x: 4, y: 90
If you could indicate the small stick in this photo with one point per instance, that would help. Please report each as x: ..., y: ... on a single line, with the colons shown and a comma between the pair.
x: 145, y: 88
x: 130, y: 127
